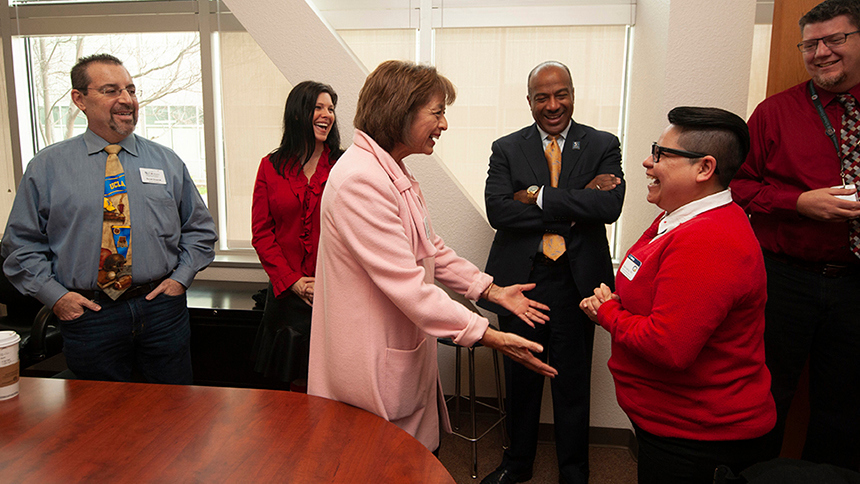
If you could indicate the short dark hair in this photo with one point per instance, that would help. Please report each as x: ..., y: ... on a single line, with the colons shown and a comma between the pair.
x: 391, y: 96
x: 830, y: 9
x: 80, y: 78
x: 298, y: 140
x: 548, y: 64
x: 715, y: 132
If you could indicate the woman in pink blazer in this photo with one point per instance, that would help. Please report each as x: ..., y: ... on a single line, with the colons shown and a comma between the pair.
x: 377, y: 312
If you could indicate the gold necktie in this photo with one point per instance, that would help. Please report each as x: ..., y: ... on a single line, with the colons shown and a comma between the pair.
x: 553, y: 244
x: 115, y: 261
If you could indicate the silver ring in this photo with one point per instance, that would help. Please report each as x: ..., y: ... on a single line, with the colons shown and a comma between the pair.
x: 598, y: 187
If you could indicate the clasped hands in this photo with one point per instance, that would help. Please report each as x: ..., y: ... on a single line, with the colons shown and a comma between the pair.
x: 304, y: 289
x: 591, y: 304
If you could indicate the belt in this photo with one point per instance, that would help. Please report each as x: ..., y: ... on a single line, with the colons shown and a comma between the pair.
x: 542, y: 260
x: 131, y: 292
x: 830, y: 270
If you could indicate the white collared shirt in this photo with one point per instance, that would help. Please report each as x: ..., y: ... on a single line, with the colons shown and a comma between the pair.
x: 545, y: 141
x: 691, y: 210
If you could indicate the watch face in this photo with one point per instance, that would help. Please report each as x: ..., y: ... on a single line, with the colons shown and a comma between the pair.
x: 532, y: 189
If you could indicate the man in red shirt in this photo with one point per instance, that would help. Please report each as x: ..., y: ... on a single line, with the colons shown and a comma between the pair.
x: 797, y: 185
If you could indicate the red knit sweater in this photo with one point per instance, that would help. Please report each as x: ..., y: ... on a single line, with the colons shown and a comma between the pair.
x: 687, y: 335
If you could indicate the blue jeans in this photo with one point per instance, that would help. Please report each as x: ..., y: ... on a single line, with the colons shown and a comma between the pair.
x: 812, y: 316
x: 151, y: 337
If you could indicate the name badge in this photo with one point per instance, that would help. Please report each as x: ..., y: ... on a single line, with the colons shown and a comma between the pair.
x: 152, y: 175
x: 630, y: 267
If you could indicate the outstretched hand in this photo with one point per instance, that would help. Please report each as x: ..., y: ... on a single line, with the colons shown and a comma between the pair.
x: 512, y: 298
x: 518, y: 349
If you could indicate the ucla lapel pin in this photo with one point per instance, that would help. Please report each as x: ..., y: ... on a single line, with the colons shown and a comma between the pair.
x: 575, y: 145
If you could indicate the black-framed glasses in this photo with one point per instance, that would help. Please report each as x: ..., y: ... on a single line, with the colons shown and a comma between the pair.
x: 114, y: 92
x: 657, y: 151
x: 831, y: 40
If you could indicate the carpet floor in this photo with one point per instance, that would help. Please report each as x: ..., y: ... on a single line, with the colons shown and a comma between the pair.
x: 608, y: 465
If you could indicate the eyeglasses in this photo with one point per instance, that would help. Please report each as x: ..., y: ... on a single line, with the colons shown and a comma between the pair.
x: 831, y: 40
x: 657, y: 151
x: 113, y: 92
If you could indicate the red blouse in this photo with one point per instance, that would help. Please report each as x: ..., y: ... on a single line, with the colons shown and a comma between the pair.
x: 285, y: 221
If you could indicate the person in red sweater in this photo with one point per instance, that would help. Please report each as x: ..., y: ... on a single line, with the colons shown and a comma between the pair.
x: 285, y: 225
x: 687, y: 317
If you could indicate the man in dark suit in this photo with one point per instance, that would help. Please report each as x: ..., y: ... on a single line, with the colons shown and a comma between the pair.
x: 550, y: 229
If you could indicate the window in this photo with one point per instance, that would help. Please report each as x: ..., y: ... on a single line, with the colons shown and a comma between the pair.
x: 252, y: 102
x: 49, y: 2
x: 759, y: 66
x: 211, y: 94
x: 489, y: 66
x: 165, y: 68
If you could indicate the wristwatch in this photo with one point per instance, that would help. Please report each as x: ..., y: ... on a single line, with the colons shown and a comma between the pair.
x: 532, y: 192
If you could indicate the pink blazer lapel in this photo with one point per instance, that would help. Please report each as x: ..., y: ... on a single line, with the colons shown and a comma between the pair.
x: 422, y: 245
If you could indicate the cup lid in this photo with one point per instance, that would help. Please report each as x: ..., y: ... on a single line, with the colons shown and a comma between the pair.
x: 8, y: 338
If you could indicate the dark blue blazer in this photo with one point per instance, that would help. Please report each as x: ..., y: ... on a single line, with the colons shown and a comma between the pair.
x: 516, y: 163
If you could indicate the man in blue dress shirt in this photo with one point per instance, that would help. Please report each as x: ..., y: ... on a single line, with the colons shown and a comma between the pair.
x: 52, y: 244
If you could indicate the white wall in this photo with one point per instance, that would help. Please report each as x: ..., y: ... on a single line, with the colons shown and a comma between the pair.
x: 681, y: 56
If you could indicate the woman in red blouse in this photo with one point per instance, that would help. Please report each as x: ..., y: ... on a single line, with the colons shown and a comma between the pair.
x: 285, y: 225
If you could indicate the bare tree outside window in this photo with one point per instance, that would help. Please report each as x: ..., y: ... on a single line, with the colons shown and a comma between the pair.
x: 165, y: 67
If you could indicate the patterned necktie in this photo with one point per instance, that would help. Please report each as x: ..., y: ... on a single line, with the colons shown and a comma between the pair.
x: 553, y: 244
x: 115, y: 261
x: 850, y: 138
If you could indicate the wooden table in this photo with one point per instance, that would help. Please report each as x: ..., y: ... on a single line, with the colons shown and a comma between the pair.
x: 65, y: 431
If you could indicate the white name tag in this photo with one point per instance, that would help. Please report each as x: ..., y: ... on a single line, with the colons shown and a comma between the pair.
x: 630, y: 267
x: 152, y: 175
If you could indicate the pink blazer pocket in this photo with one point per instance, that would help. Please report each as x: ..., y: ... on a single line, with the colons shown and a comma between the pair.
x: 406, y: 384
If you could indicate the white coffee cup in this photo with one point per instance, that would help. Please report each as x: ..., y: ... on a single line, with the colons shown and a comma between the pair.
x: 9, y: 364
x: 850, y: 198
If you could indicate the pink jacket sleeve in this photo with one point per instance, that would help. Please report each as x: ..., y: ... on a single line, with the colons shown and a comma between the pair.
x: 368, y: 217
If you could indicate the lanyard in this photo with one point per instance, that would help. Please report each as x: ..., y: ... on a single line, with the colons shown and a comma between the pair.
x: 828, y: 128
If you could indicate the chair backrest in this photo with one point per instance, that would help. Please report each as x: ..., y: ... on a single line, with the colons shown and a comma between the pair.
x: 35, y: 323
x: 38, y: 347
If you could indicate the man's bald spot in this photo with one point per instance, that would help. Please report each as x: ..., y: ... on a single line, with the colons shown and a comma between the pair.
x: 543, y: 65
